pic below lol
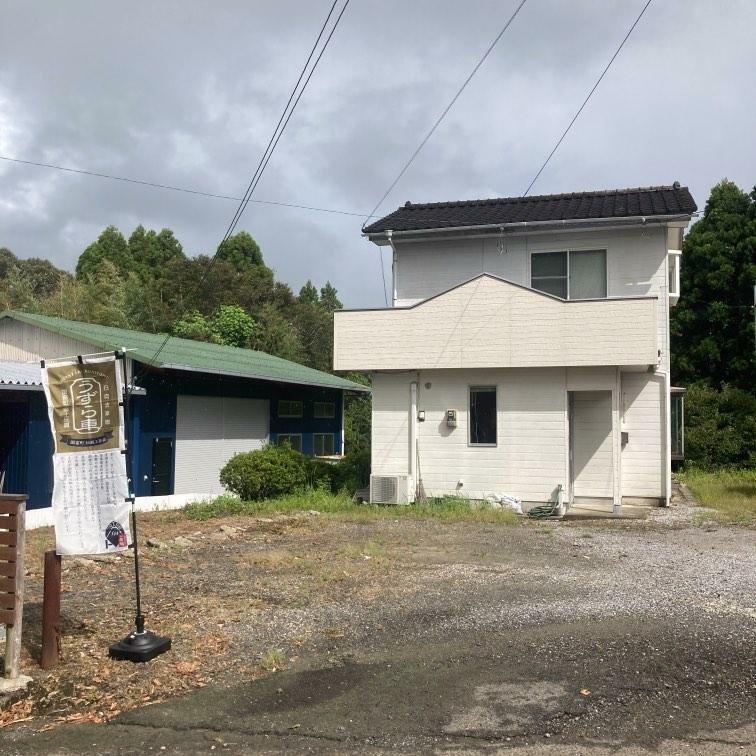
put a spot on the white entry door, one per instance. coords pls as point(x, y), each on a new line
point(591, 441)
point(209, 431)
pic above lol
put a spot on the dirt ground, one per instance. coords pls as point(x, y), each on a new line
point(339, 634)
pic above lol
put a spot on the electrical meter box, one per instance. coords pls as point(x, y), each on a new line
point(451, 418)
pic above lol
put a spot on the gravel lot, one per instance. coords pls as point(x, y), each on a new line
point(389, 636)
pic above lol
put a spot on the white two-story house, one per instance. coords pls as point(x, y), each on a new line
point(527, 347)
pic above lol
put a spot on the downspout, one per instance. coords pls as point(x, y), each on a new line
point(394, 262)
point(667, 388)
point(413, 438)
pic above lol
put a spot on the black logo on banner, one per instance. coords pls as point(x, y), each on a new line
point(115, 535)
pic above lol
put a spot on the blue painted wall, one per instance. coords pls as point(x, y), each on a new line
point(26, 446)
point(154, 415)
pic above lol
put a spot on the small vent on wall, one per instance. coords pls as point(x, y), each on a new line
point(388, 489)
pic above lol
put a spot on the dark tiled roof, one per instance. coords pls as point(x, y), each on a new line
point(614, 203)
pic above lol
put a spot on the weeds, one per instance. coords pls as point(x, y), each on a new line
point(273, 659)
point(450, 508)
point(730, 493)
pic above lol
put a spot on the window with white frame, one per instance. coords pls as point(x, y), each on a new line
point(289, 408)
point(571, 274)
point(324, 444)
point(674, 273)
point(294, 440)
point(482, 420)
point(324, 410)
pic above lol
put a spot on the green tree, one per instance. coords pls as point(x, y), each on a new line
point(232, 326)
point(240, 251)
point(7, 261)
point(329, 299)
point(308, 294)
point(42, 275)
point(110, 245)
point(193, 325)
point(721, 426)
point(712, 326)
point(151, 251)
point(277, 336)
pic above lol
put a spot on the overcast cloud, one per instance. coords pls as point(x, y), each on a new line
point(187, 93)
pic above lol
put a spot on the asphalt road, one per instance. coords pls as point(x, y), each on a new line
point(592, 640)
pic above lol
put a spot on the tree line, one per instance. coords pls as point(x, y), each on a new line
point(712, 330)
point(146, 282)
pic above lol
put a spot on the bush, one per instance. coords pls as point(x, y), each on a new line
point(720, 427)
point(352, 472)
point(265, 473)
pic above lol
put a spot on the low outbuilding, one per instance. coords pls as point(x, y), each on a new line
point(194, 405)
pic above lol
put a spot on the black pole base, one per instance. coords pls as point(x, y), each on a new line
point(139, 647)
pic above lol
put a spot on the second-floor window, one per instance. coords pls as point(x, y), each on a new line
point(574, 274)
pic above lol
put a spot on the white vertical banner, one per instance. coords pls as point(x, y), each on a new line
point(90, 493)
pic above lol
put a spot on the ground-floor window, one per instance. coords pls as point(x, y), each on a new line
point(483, 415)
point(677, 416)
point(294, 440)
point(324, 444)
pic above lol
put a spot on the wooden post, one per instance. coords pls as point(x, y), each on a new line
point(12, 531)
point(51, 611)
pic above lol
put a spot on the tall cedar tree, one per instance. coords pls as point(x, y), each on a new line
point(712, 327)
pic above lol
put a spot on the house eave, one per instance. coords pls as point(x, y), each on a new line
point(490, 229)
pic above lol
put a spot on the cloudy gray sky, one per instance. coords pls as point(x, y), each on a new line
point(187, 93)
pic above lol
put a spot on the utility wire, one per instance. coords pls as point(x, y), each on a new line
point(172, 188)
point(585, 102)
point(265, 158)
point(435, 126)
point(258, 171)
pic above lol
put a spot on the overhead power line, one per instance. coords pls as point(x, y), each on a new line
point(433, 128)
point(172, 188)
point(585, 102)
point(272, 142)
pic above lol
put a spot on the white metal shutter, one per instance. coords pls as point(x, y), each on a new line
point(209, 431)
point(592, 443)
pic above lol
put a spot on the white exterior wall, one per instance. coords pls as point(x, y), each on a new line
point(26, 343)
point(636, 264)
point(532, 453)
point(529, 459)
point(489, 322)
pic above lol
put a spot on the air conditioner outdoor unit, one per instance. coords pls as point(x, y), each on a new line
point(389, 489)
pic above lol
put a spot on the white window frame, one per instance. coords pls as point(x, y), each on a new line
point(315, 442)
point(568, 251)
point(290, 402)
point(479, 387)
point(331, 408)
point(674, 258)
point(282, 437)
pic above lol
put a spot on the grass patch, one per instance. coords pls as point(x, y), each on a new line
point(730, 493)
point(451, 508)
point(273, 660)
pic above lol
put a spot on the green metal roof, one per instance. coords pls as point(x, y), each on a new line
point(185, 354)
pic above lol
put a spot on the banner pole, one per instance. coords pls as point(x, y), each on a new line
point(140, 645)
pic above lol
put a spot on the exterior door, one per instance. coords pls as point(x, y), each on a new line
point(591, 451)
point(162, 466)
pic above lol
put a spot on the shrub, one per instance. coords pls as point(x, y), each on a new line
point(720, 427)
point(352, 472)
point(264, 473)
